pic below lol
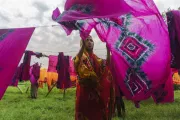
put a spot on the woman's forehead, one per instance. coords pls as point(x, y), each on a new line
point(89, 37)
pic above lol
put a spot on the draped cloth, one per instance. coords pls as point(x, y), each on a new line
point(94, 99)
point(63, 67)
point(137, 37)
point(73, 74)
point(34, 73)
point(26, 65)
point(16, 77)
point(42, 78)
point(173, 18)
point(52, 63)
point(176, 78)
point(13, 43)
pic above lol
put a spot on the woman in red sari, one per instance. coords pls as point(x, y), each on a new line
point(95, 92)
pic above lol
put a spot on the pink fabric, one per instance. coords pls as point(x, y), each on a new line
point(34, 73)
point(71, 67)
point(52, 63)
point(13, 43)
point(137, 38)
point(32, 78)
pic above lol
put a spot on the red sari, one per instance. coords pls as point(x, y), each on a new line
point(94, 94)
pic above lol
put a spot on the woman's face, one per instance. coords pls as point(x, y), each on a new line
point(89, 43)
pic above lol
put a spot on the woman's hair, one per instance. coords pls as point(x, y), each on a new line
point(81, 42)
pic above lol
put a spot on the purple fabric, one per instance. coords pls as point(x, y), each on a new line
point(137, 38)
point(173, 18)
point(34, 73)
point(52, 63)
point(16, 77)
point(71, 67)
point(63, 72)
point(13, 43)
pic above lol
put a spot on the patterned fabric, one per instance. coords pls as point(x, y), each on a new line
point(137, 38)
point(13, 43)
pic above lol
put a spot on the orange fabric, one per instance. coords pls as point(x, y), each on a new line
point(51, 78)
point(176, 78)
point(73, 78)
point(43, 75)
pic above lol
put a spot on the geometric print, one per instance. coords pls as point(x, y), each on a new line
point(134, 48)
point(136, 81)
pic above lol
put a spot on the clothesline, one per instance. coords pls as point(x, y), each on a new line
point(69, 51)
point(34, 26)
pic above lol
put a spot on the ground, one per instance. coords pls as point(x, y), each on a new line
point(18, 106)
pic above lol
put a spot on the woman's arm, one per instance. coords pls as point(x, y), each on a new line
point(79, 55)
point(108, 59)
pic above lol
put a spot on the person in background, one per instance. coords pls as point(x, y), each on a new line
point(34, 76)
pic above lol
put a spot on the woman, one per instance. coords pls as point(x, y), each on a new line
point(94, 94)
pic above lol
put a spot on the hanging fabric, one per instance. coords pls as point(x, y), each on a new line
point(13, 43)
point(63, 72)
point(34, 76)
point(73, 74)
point(26, 64)
point(43, 77)
point(173, 18)
point(52, 63)
point(16, 76)
point(137, 38)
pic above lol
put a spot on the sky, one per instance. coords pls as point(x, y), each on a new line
point(51, 40)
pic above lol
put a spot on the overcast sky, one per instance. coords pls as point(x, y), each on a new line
point(50, 40)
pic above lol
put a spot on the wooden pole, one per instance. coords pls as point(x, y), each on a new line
point(20, 90)
point(51, 89)
point(64, 93)
point(27, 89)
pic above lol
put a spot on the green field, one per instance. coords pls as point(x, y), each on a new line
point(18, 106)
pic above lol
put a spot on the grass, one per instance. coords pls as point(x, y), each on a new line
point(17, 106)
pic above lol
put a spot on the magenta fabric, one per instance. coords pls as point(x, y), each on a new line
point(52, 63)
point(16, 77)
point(13, 43)
point(173, 18)
point(34, 73)
point(71, 67)
point(137, 38)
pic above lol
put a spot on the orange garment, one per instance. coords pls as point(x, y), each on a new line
point(43, 75)
point(176, 78)
point(73, 78)
point(52, 78)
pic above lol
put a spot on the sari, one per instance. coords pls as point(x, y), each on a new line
point(94, 92)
